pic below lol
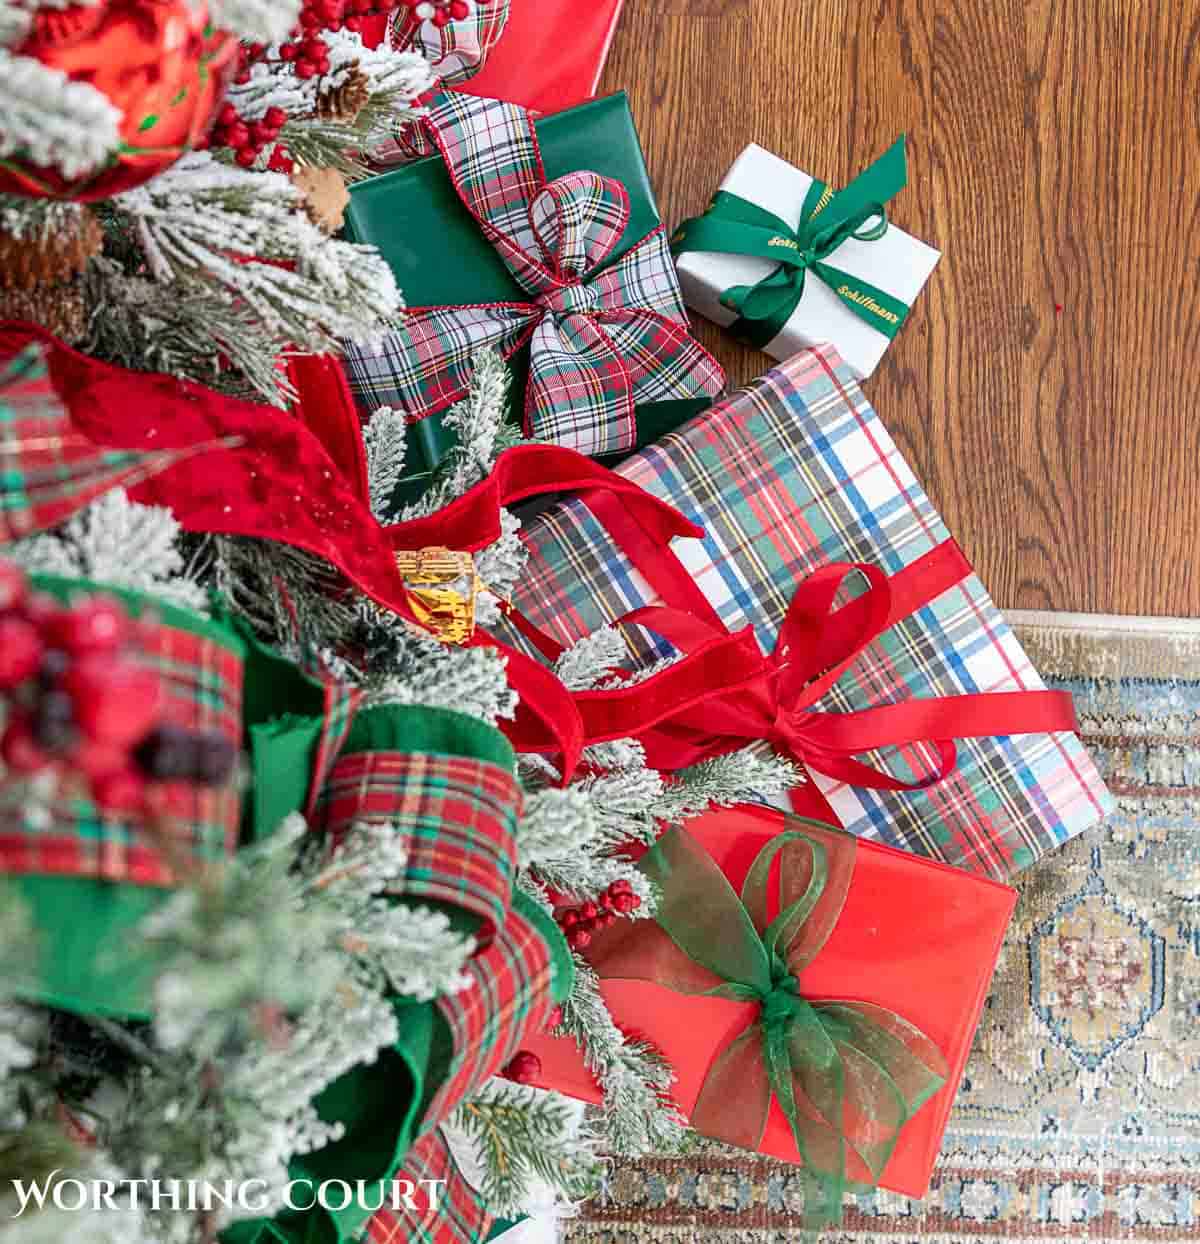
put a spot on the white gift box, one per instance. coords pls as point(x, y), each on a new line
point(897, 262)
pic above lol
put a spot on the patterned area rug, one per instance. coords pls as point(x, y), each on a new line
point(1079, 1118)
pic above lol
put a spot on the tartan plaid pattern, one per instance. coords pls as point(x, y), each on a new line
point(790, 475)
point(342, 702)
point(457, 814)
point(508, 996)
point(48, 470)
point(203, 681)
point(458, 50)
point(601, 341)
point(458, 1218)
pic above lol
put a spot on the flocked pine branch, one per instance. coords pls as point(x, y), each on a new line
point(753, 773)
point(283, 926)
point(278, 974)
point(424, 671)
point(635, 1080)
point(483, 434)
point(97, 543)
point(480, 422)
point(50, 120)
point(386, 441)
point(591, 658)
point(256, 21)
point(400, 76)
point(518, 1135)
point(199, 222)
point(195, 331)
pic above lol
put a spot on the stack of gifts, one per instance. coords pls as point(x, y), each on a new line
point(825, 610)
point(830, 964)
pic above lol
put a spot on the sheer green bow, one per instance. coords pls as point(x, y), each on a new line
point(847, 1075)
point(735, 226)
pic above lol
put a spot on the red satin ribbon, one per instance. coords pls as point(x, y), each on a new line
point(724, 693)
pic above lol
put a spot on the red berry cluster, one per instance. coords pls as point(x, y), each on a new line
point(525, 1068)
point(246, 138)
point(579, 923)
point(78, 699)
point(440, 12)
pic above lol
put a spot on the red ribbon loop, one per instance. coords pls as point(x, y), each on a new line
point(725, 693)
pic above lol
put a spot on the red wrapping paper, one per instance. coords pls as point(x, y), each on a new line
point(915, 936)
point(550, 56)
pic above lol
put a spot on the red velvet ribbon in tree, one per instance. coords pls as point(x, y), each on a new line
point(265, 474)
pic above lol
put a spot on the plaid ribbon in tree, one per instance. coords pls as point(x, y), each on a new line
point(457, 1217)
point(48, 470)
point(456, 51)
point(602, 339)
point(456, 815)
point(509, 996)
point(792, 475)
point(201, 666)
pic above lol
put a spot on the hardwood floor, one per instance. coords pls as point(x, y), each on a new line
point(1047, 387)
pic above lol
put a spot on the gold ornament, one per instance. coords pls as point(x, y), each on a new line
point(325, 195)
point(344, 103)
point(51, 255)
point(443, 587)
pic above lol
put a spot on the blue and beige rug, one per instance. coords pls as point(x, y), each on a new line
point(1079, 1118)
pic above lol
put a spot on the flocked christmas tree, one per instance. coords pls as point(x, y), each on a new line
point(214, 258)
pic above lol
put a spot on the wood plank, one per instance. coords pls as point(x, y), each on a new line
point(1055, 159)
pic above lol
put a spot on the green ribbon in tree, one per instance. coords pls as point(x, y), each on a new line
point(847, 1075)
point(734, 226)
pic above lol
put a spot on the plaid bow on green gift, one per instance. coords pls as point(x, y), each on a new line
point(603, 339)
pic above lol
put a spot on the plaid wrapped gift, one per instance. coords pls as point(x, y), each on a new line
point(789, 477)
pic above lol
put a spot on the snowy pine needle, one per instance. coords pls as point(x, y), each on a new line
point(386, 441)
point(200, 221)
point(256, 21)
point(118, 542)
point(50, 120)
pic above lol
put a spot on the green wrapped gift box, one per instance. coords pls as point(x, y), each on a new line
point(414, 211)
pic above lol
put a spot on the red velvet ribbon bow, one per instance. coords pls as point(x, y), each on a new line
point(726, 693)
point(267, 475)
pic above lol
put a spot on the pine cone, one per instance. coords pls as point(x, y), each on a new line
point(325, 195)
point(35, 263)
point(60, 308)
point(345, 102)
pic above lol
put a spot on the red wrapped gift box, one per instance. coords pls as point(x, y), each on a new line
point(915, 937)
point(551, 54)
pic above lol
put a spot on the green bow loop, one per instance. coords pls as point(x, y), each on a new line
point(847, 1075)
point(733, 225)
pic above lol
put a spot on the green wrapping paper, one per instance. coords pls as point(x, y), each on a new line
point(414, 210)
